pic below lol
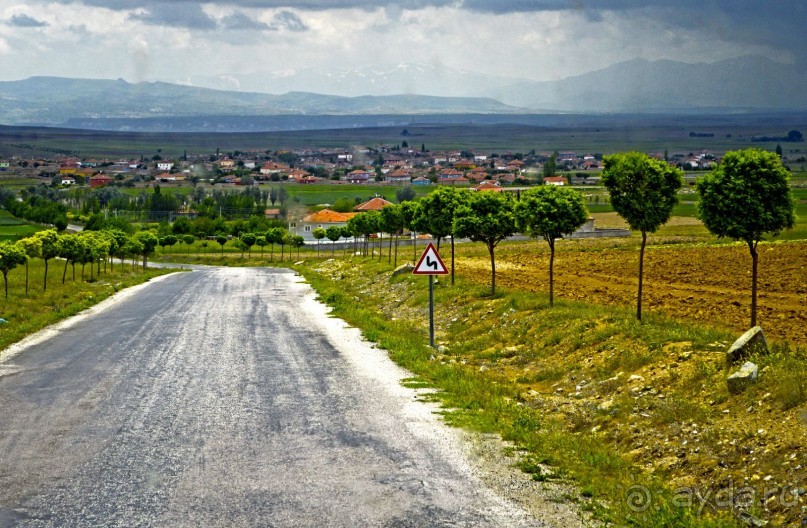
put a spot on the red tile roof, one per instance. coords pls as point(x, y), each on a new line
point(376, 204)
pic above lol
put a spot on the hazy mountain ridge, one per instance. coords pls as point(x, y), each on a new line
point(637, 85)
point(55, 101)
point(744, 84)
point(640, 85)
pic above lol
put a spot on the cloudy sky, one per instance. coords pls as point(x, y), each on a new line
point(179, 40)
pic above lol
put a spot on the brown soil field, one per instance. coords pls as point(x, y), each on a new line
point(703, 283)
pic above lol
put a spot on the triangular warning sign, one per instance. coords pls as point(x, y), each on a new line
point(430, 263)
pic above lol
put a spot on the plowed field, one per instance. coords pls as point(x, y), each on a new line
point(704, 283)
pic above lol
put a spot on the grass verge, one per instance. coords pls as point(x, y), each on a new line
point(637, 415)
point(26, 314)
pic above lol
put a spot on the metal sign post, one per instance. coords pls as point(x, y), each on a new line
point(430, 264)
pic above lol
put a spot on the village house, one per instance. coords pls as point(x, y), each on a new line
point(488, 186)
point(100, 180)
point(398, 176)
point(271, 167)
point(165, 165)
point(554, 180)
point(272, 213)
point(358, 176)
point(374, 204)
point(321, 219)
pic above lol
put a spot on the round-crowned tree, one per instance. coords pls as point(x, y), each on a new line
point(746, 197)
point(643, 191)
point(550, 212)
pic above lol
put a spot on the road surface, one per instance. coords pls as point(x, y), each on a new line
point(225, 397)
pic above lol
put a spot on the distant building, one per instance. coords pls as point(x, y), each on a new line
point(99, 180)
point(554, 180)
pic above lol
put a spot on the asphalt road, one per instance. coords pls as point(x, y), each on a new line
point(225, 397)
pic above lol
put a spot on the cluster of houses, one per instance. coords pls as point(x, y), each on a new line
point(392, 165)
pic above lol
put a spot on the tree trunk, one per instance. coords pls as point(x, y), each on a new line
point(414, 247)
point(396, 252)
point(752, 246)
point(452, 260)
point(64, 275)
point(641, 276)
point(491, 249)
point(389, 253)
point(380, 246)
point(551, 271)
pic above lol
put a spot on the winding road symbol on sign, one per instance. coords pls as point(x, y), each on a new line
point(430, 263)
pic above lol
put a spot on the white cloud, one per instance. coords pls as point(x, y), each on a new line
point(94, 41)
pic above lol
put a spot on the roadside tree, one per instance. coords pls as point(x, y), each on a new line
point(410, 214)
point(249, 240)
point(261, 242)
point(189, 240)
point(149, 241)
point(70, 250)
point(50, 249)
point(318, 234)
point(333, 233)
point(32, 247)
point(436, 215)
point(486, 217)
point(392, 223)
point(550, 212)
point(746, 197)
point(11, 256)
point(643, 191)
point(221, 239)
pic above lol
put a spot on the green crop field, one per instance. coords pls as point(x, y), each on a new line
point(12, 228)
point(579, 133)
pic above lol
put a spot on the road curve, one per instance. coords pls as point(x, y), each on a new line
point(225, 397)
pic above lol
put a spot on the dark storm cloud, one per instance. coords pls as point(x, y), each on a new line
point(175, 14)
point(24, 21)
point(288, 20)
point(775, 23)
point(240, 21)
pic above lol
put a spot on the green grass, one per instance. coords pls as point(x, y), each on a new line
point(29, 313)
point(12, 228)
point(488, 331)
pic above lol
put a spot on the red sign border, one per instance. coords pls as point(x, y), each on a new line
point(423, 256)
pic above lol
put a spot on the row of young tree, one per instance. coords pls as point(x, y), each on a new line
point(87, 247)
point(746, 198)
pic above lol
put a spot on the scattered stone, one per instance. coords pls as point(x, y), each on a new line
point(750, 520)
point(403, 269)
point(442, 349)
point(605, 406)
point(750, 343)
point(740, 380)
point(483, 368)
point(299, 263)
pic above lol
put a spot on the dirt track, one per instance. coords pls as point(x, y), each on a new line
point(703, 283)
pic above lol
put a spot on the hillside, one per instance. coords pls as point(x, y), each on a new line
point(55, 101)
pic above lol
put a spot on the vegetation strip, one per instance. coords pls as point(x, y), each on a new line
point(636, 414)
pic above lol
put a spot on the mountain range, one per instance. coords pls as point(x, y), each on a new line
point(744, 84)
point(638, 85)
